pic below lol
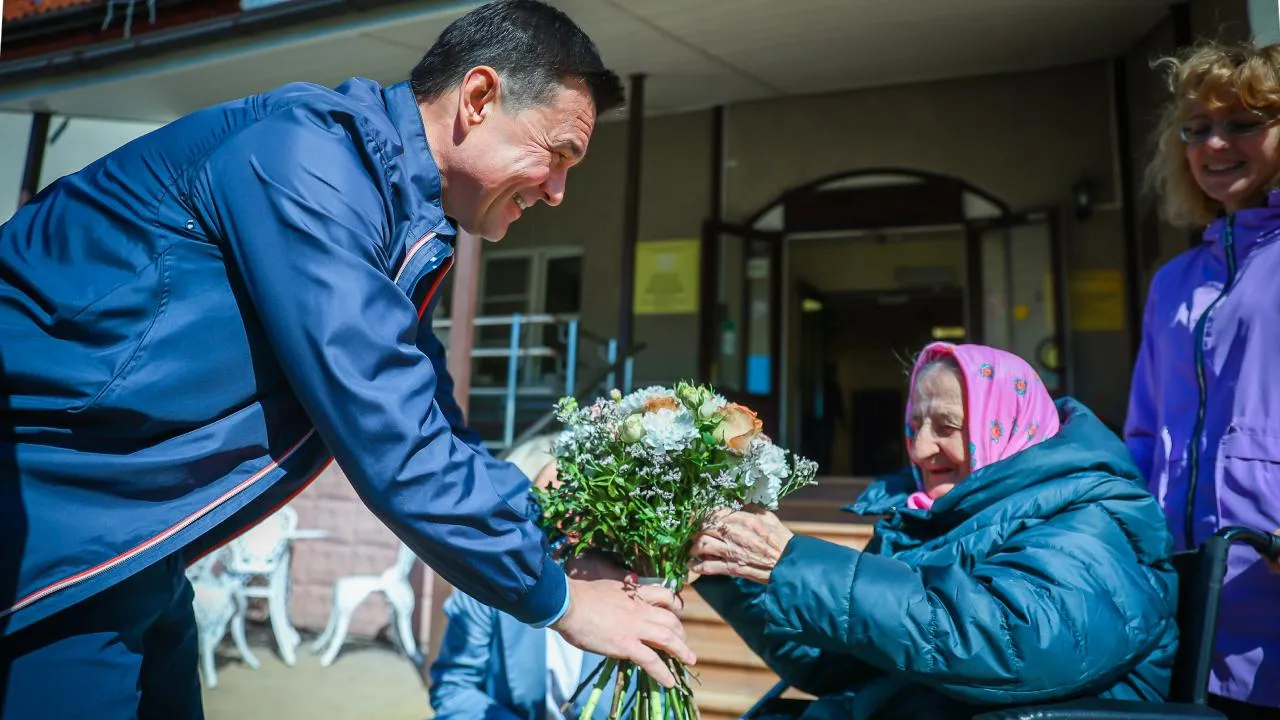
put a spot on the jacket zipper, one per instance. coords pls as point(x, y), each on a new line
point(1193, 452)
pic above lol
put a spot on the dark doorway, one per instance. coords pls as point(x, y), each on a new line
point(856, 356)
point(876, 441)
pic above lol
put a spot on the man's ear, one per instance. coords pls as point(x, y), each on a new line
point(477, 96)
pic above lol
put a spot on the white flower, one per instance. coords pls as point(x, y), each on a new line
point(638, 400)
point(632, 430)
point(708, 409)
point(767, 470)
point(668, 430)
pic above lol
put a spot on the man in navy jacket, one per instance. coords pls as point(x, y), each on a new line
point(194, 325)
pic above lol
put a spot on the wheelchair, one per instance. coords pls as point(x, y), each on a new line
point(1200, 574)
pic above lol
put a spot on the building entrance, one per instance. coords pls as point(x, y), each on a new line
point(812, 310)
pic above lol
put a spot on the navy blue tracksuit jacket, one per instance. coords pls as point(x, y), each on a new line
point(194, 325)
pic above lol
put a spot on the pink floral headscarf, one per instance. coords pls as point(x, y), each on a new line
point(1007, 407)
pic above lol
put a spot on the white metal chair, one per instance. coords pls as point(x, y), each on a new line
point(216, 603)
point(349, 592)
point(264, 552)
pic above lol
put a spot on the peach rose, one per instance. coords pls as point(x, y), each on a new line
point(738, 426)
point(661, 402)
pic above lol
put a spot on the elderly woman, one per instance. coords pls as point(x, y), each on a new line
point(1022, 561)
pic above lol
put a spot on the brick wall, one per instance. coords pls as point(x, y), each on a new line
point(359, 544)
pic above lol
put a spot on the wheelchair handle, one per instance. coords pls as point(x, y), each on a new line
point(1267, 544)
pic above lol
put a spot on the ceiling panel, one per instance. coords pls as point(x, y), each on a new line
point(696, 54)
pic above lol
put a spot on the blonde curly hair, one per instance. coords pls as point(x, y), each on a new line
point(1215, 75)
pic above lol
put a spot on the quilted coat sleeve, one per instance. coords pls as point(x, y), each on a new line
point(1063, 609)
point(742, 605)
point(294, 200)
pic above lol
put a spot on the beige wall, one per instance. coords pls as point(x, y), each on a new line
point(1026, 138)
point(861, 265)
point(675, 198)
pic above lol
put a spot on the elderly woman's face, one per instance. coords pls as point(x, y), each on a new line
point(939, 430)
point(1233, 152)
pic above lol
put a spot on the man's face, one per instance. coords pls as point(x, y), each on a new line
point(507, 162)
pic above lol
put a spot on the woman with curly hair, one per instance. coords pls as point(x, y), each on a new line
point(1204, 411)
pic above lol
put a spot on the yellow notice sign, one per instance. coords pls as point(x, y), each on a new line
point(667, 277)
point(1097, 300)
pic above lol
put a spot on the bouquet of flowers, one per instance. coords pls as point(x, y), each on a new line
point(639, 476)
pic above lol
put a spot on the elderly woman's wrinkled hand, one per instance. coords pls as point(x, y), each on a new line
point(745, 544)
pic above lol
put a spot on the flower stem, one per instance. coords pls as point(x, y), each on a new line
point(594, 698)
point(655, 701)
point(620, 688)
point(642, 697)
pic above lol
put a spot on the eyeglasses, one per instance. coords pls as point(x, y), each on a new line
point(1198, 131)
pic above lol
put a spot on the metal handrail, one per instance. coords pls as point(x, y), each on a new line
point(516, 351)
point(493, 352)
point(525, 319)
point(602, 378)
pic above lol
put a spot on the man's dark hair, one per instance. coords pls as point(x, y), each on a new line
point(534, 48)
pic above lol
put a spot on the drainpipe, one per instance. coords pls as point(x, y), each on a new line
point(631, 215)
point(708, 302)
point(38, 140)
point(1133, 260)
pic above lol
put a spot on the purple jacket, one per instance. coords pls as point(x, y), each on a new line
point(1204, 425)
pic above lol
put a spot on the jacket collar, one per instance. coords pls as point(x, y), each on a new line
point(419, 165)
point(1250, 227)
point(1082, 442)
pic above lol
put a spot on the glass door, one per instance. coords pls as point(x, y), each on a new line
point(741, 317)
point(1015, 298)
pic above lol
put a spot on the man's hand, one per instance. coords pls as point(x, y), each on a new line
point(622, 621)
point(594, 566)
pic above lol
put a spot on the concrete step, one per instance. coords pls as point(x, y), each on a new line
point(822, 502)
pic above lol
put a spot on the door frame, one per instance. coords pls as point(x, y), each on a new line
point(710, 314)
point(975, 292)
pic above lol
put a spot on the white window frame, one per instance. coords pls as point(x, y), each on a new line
point(535, 296)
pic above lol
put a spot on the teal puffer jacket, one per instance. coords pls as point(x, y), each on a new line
point(1042, 577)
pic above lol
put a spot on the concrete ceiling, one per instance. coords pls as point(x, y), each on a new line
point(696, 54)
